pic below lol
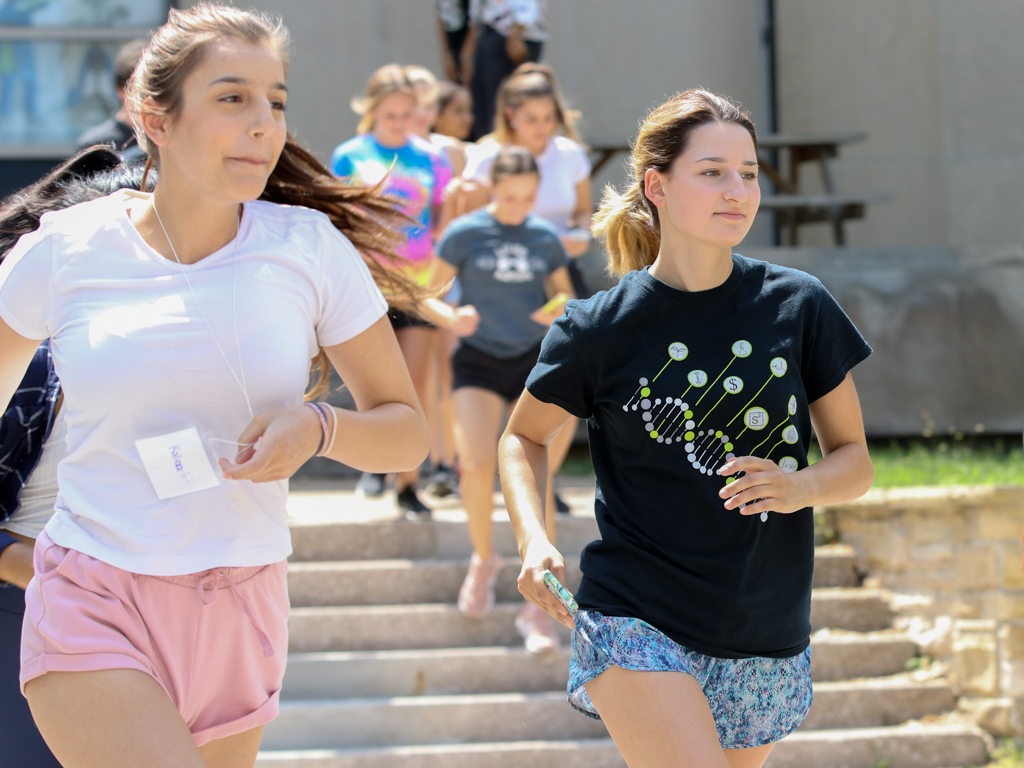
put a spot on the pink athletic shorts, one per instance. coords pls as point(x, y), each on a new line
point(215, 641)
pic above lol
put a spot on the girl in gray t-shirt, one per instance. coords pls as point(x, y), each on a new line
point(513, 271)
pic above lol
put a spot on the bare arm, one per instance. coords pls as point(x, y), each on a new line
point(467, 55)
point(581, 218)
point(523, 463)
point(844, 472)
point(387, 433)
point(555, 283)
point(16, 561)
point(462, 320)
point(450, 69)
point(15, 354)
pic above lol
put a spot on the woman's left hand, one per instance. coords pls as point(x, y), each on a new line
point(281, 442)
point(765, 484)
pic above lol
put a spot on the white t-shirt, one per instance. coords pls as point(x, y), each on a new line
point(137, 360)
point(563, 164)
point(504, 14)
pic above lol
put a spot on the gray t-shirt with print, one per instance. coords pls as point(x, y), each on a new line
point(502, 270)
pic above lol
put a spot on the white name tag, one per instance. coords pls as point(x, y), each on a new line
point(177, 463)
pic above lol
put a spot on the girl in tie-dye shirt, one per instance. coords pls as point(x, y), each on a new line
point(418, 173)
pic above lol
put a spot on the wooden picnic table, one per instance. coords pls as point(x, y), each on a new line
point(793, 208)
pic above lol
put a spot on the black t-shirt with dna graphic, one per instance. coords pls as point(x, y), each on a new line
point(673, 384)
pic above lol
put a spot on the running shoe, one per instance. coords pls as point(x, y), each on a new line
point(410, 503)
point(537, 629)
point(370, 485)
point(444, 482)
point(476, 598)
point(560, 506)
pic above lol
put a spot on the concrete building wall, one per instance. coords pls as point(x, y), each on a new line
point(614, 60)
point(936, 84)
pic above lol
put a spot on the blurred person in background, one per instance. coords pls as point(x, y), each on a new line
point(417, 173)
point(515, 283)
point(503, 34)
point(117, 132)
point(32, 441)
point(532, 114)
point(454, 111)
point(443, 479)
point(453, 27)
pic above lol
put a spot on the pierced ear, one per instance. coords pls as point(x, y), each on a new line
point(155, 122)
point(654, 187)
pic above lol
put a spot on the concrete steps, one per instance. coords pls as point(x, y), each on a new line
point(440, 625)
point(417, 672)
point(913, 745)
point(494, 717)
point(384, 672)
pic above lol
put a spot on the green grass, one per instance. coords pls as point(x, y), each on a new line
point(1007, 756)
point(970, 460)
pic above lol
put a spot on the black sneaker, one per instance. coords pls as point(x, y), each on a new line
point(407, 500)
point(444, 482)
point(370, 485)
point(560, 506)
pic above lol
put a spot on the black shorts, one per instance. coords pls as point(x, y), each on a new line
point(400, 320)
point(504, 376)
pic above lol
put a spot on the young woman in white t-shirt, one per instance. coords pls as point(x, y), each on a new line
point(182, 325)
point(532, 114)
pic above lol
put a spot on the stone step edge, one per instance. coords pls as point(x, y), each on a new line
point(825, 736)
point(483, 747)
point(881, 684)
point(835, 637)
point(829, 593)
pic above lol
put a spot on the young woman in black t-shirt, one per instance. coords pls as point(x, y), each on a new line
point(701, 375)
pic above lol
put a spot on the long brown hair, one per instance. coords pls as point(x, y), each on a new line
point(628, 221)
point(531, 81)
point(371, 220)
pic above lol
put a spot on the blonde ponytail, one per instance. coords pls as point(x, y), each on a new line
point(628, 221)
point(631, 235)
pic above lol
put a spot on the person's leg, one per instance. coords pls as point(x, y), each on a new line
point(662, 720)
point(238, 751)
point(448, 340)
point(114, 718)
point(477, 421)
point(415, 342)
point(557, 452)
point(491, 65)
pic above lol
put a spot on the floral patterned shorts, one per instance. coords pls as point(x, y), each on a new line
point(754, 701)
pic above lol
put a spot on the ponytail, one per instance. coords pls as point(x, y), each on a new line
point(628, 221)
point(630, 231)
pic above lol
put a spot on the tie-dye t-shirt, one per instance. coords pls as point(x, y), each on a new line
point(419, 177)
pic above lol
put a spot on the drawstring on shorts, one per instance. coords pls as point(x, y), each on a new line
point(212, 579)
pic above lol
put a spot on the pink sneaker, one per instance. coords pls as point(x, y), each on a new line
point(476, 598)
point(537, 629)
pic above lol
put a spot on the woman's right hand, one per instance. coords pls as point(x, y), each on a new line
point(540, 556)
point(465, 321)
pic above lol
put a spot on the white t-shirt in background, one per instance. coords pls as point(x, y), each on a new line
point(136, 360)
point(563, 164)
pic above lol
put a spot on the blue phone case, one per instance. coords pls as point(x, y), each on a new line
point(561, 593)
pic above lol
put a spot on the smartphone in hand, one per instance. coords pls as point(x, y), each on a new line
point(561, 593)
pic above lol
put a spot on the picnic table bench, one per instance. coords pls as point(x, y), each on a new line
point(790, 206)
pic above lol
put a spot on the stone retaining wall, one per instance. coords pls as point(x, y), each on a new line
point(951, 556)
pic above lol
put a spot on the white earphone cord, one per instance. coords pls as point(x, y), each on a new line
point(234, 314)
